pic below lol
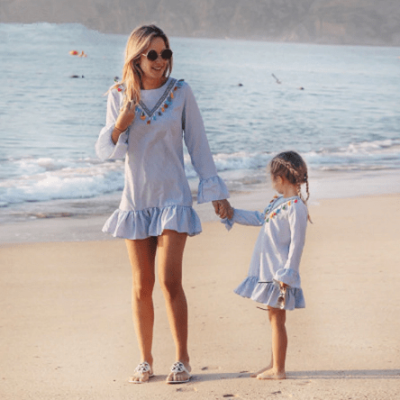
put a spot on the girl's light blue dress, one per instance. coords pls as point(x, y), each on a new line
point(277, 252)
point(156, 195)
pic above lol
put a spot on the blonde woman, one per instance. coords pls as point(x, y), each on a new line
point(149, 115)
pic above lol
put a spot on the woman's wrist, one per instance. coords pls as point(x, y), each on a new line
point(119, 129)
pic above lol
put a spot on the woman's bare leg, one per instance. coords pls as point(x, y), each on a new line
point(277, 318)
point(142, 257)
point(170, 247)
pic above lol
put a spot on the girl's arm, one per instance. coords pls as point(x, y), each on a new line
point(106, 149)
point(289, 274)
point(211, 186)
point(244, 217)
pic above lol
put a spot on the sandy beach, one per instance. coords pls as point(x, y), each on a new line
point(67, 333)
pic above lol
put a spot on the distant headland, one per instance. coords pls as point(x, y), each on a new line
point(351, 22)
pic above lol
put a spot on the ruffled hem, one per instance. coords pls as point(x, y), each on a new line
point(211, 189)
point(268, 293)
point(152, 221)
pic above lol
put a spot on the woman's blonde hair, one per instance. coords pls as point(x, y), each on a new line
point(138, 41)
point(291, 166)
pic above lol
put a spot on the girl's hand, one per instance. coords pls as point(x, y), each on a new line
point(223, 209)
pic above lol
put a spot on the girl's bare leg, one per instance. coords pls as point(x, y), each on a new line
point(277, 318)
point(142, 257)
point(170, 249)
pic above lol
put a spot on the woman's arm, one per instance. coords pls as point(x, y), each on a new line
point(211, 186)
point(112, 140)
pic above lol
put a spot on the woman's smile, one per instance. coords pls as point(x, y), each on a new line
point(153, 70)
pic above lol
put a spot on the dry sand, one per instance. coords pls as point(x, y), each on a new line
point(66, 329)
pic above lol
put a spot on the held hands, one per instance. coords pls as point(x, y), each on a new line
point(223, 209)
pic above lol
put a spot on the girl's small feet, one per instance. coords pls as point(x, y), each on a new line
point(271, 374)
point(142, 374)
point(255, 374)
point(180, 373)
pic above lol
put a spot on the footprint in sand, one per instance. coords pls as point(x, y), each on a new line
point(211, 368)
point(303, 383)
point(187, 389)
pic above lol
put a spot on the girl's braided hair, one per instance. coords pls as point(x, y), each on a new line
point(291, 166)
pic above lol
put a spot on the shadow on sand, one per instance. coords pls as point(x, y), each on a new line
point(329, 374)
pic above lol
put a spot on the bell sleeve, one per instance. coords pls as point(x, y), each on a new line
point(105, 147)
point(211, 186)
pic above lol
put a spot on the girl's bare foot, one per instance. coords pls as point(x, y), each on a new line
point(142, 374)
point(255, 374)
point(271, 374)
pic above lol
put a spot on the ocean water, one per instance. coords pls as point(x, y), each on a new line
point(339, 106)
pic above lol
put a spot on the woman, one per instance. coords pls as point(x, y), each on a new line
point(148, 114)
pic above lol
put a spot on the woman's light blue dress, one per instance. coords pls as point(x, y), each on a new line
point(156, 195)
point(277, 252)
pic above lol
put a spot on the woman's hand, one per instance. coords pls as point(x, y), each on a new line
point(124, 120)
point(223, 208)
point(126, 116)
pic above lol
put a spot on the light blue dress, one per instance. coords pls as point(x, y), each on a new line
point(157, 195)
point(277, 252)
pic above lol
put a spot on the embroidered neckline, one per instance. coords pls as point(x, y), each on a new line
point(162, 104)
point(160, 100)
point(270, 212)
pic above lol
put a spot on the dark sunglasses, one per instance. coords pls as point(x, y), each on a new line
point(152, 55)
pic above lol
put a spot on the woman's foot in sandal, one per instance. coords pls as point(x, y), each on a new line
point(180, 373)
point(142, 374)
point(270, 374)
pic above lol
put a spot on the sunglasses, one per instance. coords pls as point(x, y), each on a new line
point(152, 55)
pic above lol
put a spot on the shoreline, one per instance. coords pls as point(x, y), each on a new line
point(67, 222)
point(88, 229)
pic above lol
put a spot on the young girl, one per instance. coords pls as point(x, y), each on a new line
point(273, 278)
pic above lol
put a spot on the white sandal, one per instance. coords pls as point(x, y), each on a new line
point(177, 368)
point(142, 368)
